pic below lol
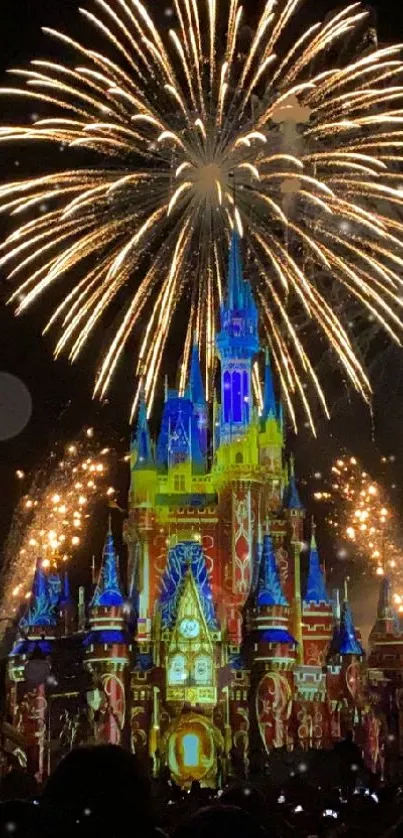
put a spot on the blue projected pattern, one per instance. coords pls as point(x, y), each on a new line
point(269, 590)
point(108, 591)
point(185, 555)
point(43, 607)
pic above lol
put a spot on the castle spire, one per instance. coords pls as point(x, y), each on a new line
point(269, 590)
point(142, 440)
point(347, 641)
point(108, 592)
point(197, 393)
point(316, 588)
point(293, 500)
point(270, 405)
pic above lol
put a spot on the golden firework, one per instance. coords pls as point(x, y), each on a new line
point(166, 128)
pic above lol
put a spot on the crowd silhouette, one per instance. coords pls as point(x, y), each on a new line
point(104, 792)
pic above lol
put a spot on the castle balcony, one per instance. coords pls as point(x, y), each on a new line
point(192, 695)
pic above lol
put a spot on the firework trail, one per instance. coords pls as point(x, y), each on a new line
point(178, 137)
point(51, 521)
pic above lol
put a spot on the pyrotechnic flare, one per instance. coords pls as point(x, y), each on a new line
point(51, 522)
point(175, 137)
point(363, 516)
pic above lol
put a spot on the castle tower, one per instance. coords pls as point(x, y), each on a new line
point(237, 344)
point(141, 522)
point(295, 515)
point(237, 456)
point(317, 612)
point(344, 680)
point(28, 670)
point(272, 656)
point(385, 663)
point(108, 647)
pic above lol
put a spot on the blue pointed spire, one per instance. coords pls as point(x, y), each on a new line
point(197, 393)
point(269, 590)
point(270, 404)
point(292, 498)
point(108, 591)
point(142, 440)
point(316, 588)
point(235, 275)
point(41, 611)
point(347, 641)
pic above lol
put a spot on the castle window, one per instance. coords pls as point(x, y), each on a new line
point(177, 672)
point(239, 457)
point(203, 670)
point(179, 483)
point(227, 397)
point(236, 397)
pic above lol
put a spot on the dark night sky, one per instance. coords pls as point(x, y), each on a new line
point(61, 394)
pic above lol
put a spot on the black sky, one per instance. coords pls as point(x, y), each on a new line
point(61, 394)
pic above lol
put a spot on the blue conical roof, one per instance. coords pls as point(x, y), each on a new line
point(42, 610)
point(316, 589)
point(270, 404)
point(185, 556)
point(142, 439)
point(108, 591)
point(347, 642)
point(197, 393)
point(269, 590)
point(292, 499)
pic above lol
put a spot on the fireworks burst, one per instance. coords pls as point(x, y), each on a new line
point(363, 517)
point(181, 135)
point(51, 521)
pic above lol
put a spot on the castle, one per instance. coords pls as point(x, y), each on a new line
point(214, 653)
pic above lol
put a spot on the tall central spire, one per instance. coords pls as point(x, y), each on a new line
point(235, 274)
point(237, 344)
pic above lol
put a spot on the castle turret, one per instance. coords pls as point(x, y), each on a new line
point(237, 344)
point(272, 611)
point(108, 646)
point(317, 611)
point(295, 514)
point(29, 668)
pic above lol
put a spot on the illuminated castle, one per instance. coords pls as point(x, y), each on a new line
point(214, 653)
